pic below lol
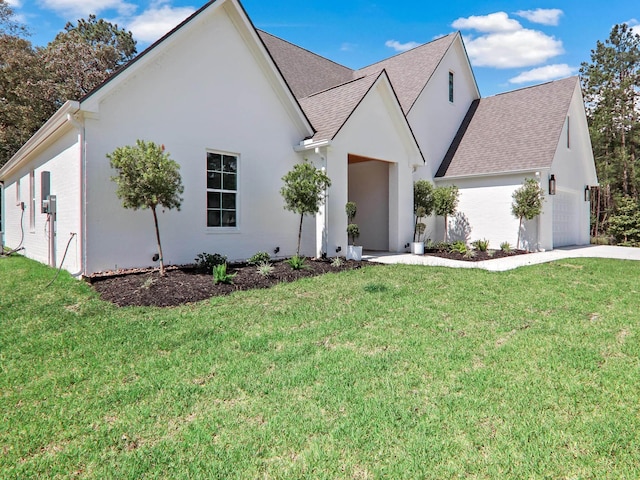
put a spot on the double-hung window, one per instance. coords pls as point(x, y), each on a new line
point(222, 190)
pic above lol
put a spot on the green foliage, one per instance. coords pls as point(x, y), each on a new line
point(394, 371)
point(445, 203)
point(296, 262)
point(220, 274)
point(527, 202)
point(459, 247)
point(423, 197)
point(337, 262)
point(505, 247)
point(259, 257)
point(353, 232)
point(481, 245)
point(264, 268)
point(304, 191)
point(430, 245)
point(611, 85)
point(205, 262)
point(147, 178)
point(624, 225)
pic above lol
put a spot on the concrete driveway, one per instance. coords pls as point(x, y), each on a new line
point(509, 263)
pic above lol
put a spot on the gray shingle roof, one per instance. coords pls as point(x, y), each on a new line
point(510, 132)
point(410, 71)
point(329, 110)
point(304, 71)
point(328, 92)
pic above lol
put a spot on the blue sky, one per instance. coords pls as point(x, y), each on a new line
point(511, 44)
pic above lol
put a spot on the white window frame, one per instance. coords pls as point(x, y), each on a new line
point(236, 192)
point(32, 201)
point(451, 85)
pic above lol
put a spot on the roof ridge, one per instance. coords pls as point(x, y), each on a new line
point(343, 84)
point(305, 49)
point(576, 77)
point(406, 52)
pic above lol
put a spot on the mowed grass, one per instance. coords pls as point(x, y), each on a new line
point(394, 372)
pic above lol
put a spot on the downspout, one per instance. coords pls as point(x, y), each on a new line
point(83, 194)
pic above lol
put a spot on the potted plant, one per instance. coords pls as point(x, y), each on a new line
point(422, 207)
point(417, 246)
point(353, 252)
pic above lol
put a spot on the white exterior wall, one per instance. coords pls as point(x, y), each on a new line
point(375, 130)
point(204, 91)
point(62, 160)
point(484, 212)
point(434, 120)
point(574, 168)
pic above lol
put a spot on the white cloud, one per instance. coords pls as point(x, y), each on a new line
point(492, 23)
point(156, 21)
point(401, 47)
point(634, 25)
point(348, 47)
point(504, 43)
point(14, 3)
point(544, 74)
point(544, 16)
point(83, 8)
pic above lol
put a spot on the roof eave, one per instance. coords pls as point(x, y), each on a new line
point(491, 174)
point(53, 125)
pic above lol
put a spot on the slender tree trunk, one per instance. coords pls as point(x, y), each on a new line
point(519, 230)
point(155, 221)
point(299, 235)
point(446, 227)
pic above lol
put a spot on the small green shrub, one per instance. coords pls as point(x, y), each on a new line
point(505, 247)
point(481, 245)
point(258, 258)
point(265, 269)
point(437, 246)
point(205, 262)
point(296, 262)
point(337, 262)
point(220, 274)
point(470, 253)
point(459, 247)
point(353, 232)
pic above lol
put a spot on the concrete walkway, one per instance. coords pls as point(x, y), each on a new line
point(509, 263)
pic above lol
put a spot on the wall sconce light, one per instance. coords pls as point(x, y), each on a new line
point(587, 193)
point(276, 250)
point(552, 184)
point(338, 249)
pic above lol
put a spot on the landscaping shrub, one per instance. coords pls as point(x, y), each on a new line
point(265, 269)
point(205, 262)
point(481, 245)
point(505, 247)
point(296, 262)
point(220, 274)
point(258, 258)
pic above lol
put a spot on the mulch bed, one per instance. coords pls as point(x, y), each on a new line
point(182, 285)
point(478, 256)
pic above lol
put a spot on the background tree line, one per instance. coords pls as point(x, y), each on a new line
point(36, 81)
point(611, 84)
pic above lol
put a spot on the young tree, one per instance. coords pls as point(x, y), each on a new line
point(147, 178)
point(304, 191)
point(445, 203)
point(624, 224)
point(611, 85)
point(527, 202)
point(422, 206)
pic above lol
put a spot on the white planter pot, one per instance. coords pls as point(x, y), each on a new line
point(354, 253)
point(417, 248)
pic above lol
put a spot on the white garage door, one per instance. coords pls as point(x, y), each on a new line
point(565, 219)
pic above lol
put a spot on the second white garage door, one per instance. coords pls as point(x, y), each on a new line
point(565, 219)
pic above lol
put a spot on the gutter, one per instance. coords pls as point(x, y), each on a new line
point(83, 192)
point(491, 174)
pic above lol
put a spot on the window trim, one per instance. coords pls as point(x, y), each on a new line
point(221, 229)
point(451, 87)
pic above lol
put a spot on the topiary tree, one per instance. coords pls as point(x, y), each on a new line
point(353, 231)
point(445, 202)
point(147, 178)
point(422, 206)
point(527, 202)
point(303, 191)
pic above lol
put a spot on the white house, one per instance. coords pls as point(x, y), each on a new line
point(237, 108)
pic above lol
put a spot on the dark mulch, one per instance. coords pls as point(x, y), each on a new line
point(478, 256)
point(184, 284)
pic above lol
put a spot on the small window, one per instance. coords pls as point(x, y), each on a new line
point(32, 200)
point(222, 190)
point(568, 132)
point(451, 87)
point(18, 199)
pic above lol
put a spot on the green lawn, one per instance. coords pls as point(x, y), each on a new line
point(394, 372)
